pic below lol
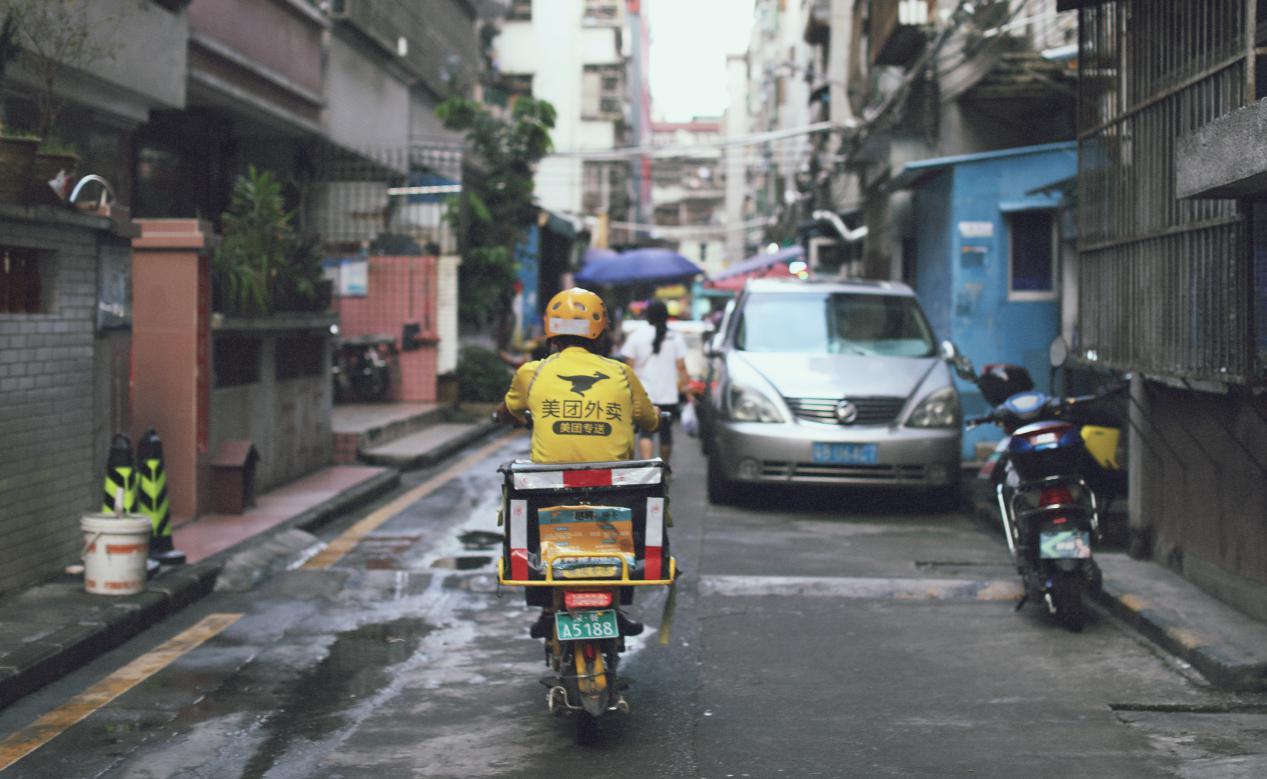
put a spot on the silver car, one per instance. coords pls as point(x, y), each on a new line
point(830, 383)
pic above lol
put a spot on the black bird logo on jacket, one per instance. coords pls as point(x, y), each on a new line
point(582, 384)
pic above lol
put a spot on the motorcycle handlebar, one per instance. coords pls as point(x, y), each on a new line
point(1103, 392)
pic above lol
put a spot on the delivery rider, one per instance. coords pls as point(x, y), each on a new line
point(584, 406)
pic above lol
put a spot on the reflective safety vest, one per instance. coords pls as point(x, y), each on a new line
point(584, 407)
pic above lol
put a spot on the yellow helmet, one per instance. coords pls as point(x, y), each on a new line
point(577, 312)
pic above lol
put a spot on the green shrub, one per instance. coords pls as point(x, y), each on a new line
point(482, 376)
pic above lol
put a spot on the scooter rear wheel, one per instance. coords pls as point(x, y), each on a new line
point(1066, 596)
point(587, 728)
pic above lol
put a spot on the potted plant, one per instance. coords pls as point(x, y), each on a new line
point(53, 36)
point(256, 235)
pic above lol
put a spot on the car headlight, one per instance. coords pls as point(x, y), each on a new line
point(940, 409)
point(748, 405)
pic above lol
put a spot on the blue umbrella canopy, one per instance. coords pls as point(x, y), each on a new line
point(639, 266)
point(599, 255)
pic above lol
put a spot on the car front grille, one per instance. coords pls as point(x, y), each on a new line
point(844, 474)
point(871, 411)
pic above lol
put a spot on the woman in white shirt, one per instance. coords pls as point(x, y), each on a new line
point(658, 356)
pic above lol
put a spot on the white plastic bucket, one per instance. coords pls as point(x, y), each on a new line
point(115, 553)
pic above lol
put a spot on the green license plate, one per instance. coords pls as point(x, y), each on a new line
point(1064, 545)
point(576, 626)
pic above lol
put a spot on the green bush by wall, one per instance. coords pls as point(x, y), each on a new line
point(482, 376)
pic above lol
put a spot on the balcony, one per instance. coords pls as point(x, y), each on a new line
point(899, 29)
point(265, 54)
point(433, 43)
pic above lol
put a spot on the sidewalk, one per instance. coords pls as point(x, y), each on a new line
point(56, 627)
point(1228, 647)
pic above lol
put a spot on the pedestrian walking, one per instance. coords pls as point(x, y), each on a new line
point(658, 357)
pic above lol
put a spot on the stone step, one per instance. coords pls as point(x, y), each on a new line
point(358, 427)
point(427, 446)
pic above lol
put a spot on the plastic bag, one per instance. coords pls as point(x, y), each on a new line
point(690, 422)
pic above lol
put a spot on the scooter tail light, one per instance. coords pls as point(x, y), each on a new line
point(587, 599)
point(1053, 495)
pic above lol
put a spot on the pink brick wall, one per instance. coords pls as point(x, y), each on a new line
point(401, 290)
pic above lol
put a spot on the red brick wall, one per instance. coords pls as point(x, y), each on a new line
point(401, 290)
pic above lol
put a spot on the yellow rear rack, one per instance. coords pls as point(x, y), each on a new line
point(550, 581)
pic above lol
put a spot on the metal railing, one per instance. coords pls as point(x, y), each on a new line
point(1161, 280)
point(356, 199)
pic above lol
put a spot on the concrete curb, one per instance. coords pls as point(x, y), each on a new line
point(1223, 666)
point(432, 456)
point(92, 625)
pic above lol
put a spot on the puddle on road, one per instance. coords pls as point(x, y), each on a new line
point(478, 540)
point(464, 563)
point(355, 668)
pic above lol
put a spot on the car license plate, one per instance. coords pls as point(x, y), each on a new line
point(578, 625)
point(1064, 545)
point(845, 454)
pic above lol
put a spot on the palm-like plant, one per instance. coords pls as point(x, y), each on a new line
point(257, 235)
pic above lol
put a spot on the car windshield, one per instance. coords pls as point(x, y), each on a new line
point(840, 323)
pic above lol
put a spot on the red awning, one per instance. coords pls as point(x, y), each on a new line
point(735, 283)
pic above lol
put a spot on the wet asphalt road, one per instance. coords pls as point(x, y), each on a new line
point(815, 634)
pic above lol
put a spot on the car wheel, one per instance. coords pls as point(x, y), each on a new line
point(721, 491)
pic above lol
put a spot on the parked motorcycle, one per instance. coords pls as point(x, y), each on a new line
point(361, 368)
point(583, 537)
point(1044, 475)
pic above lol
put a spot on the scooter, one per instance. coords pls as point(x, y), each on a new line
point(586, 535)
point(1051, 513)
point(362, 368)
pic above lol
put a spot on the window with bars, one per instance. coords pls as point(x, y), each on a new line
point(602, 11)
point(236, 360)
point(509, 88)
point(300, 356)
point(603, 92)
point(21, 282)
point(519, 11)
point(1162, 280)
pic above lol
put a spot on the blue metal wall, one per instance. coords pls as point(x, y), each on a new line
point(931, 203)
point(962, 263)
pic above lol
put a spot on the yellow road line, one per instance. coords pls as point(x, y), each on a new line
point(1132, 602)
point(57, 721)
point(354, 535)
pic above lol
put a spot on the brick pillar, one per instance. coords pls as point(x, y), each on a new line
point(171, 351)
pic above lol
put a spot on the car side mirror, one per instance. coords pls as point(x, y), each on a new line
point(959, 361)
